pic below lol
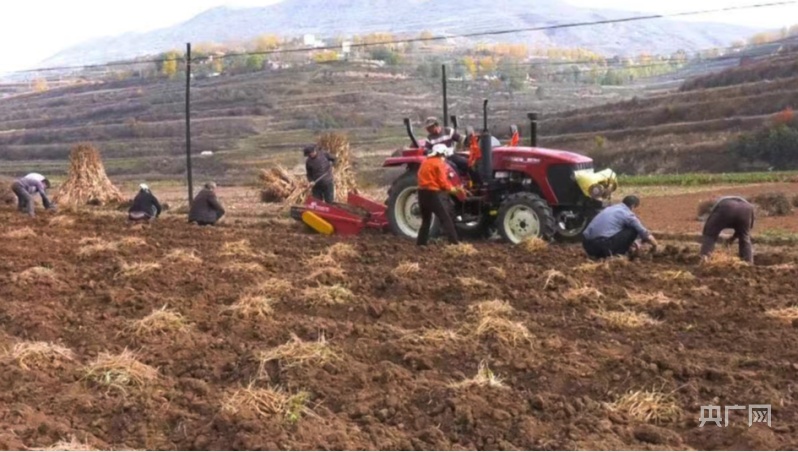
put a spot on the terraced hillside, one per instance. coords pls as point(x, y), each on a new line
point(139, 124)
point(689, 130)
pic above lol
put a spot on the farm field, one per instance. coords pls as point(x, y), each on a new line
point(256, 335)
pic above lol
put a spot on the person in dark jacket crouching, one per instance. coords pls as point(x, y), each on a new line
point(145, 206)
point(206, 209)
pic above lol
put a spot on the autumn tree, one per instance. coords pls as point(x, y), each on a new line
point(40, 85)
point(265, 43)
point(168, 64)
point(325, 56)
point(487, 64)
point(255, 62)
point(470, 66)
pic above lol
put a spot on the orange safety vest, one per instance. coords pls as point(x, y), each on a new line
point(515, 140)
point(475, 152)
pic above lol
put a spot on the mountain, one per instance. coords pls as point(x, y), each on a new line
point(328, 18)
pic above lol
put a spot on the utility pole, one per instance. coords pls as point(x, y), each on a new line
point(188, 125)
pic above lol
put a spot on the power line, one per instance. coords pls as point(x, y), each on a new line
point(427, 39)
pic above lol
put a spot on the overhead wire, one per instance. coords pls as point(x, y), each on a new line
point(419, 38)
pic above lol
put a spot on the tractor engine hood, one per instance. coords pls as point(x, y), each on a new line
point(528, 154)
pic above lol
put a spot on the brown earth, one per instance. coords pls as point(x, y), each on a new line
point(679, 213)
point(712, 343)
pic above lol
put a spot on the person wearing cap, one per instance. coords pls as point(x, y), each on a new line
point(206, 209)
point(319, 171)
point(447, 137)
point(615, 230)
point(145, 206)
point(28, 186)
point(434, 188)
point(730, 212)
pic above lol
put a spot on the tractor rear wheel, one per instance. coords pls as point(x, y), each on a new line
point(524, 216)
point(404, 213)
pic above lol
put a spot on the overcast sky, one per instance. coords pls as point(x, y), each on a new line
point(33, 30)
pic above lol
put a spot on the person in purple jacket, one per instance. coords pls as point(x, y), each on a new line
point(26, 188)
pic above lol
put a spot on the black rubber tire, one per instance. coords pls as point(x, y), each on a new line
point(574, 238)
point(408, 179)
point(544, 213)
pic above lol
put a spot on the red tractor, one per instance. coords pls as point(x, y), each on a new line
point(524, 192)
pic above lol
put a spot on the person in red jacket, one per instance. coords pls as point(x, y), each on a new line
point(433, 186)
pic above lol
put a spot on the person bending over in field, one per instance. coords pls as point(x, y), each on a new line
point(319, 171)
point(615, 230)
point(206, 209)
point(731, 212)
point(29, 186)
point(145, 206)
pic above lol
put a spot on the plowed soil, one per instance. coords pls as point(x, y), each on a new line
point(393, 385)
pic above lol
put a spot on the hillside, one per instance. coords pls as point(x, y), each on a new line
point(689, 130)
point(293, 18)
point(247, 119)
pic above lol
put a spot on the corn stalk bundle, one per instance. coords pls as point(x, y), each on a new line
point(337, 144)
point(87, 182)
point(280, 186)
point(7, 196)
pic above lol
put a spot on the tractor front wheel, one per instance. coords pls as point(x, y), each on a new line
point(524, 216)
point(404, 214)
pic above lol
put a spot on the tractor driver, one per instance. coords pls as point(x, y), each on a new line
point(447, 137)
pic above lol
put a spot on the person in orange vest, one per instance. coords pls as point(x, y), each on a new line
point(516, 137)
point(434, 187)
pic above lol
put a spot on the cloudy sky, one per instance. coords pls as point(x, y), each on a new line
point(33, 30)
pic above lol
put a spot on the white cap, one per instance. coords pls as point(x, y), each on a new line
point(35, 176)
point(439, 149)
point(144, 187)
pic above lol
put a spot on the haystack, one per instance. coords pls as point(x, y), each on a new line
point(280, 186)
point(87, 182)
point(337, 144)
point(7, 196)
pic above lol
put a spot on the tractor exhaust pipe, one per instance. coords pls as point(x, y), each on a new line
point(486, 146)
point(533, 129)
point(410, 133)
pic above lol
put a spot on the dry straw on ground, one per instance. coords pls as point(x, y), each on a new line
point(298, 352)
point(554, 278)
point(460, 250)
point(406, 270)
point(583, 293)
point(492, 323)
point(72, 445)
point(241, 248)
point(160, 321)
point(277, 289)
point(181, 256)
point(658, 298)
point(87, 182)
point(39, 354)
point(492, 308)
point(137, 269)
point(97, 247)
point(649, 406)
point(627, 319)
point(62, 221)
point(36, 275)
point(329, 295)
point(268, 402)
point(119, 371)
point(19, 234)
point(724, 261)
point(328, 275)
point(787, 314)
point(497, 273)
point(472, 283)
point(252, 306)
point(485, 378)
point(675, 275)
point(243, 267)
point(534, 245)
point(774, 204)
